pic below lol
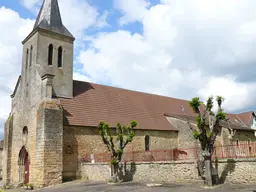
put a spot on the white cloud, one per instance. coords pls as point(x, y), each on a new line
point(31, 4)
point(186, 49)
point(14, 31)
point(77, 15)
point(236, 95)
point(133, 10)
point(81, 77)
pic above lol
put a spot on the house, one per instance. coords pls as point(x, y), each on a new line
point(53, 120)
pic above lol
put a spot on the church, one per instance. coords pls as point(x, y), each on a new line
point(53, 119)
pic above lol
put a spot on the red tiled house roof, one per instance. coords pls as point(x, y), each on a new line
point(243, 119)
point(232, 124)
point(93, 103)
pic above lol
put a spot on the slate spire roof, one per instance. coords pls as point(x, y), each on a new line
point(49, 18)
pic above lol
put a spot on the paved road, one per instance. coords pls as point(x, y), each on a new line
point(138, 187)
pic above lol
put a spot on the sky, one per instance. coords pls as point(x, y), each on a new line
point(176, 48)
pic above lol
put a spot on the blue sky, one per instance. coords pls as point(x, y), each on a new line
point(177, 48)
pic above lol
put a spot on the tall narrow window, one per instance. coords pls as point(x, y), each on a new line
point(27, 90)
point(27, 59)
point(25, 130)
point(50, 54)
point(60, 57)
point(30, 59)
point(146, 143)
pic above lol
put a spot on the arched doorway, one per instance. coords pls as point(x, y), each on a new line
point(23, 166)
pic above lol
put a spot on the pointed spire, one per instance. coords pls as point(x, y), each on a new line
point(49, 18)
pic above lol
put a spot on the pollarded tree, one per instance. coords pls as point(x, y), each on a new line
point(124, 135)
point(208, 127)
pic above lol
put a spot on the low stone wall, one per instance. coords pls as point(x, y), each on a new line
point(237, 170)
point(229, 171)
point(157, 171)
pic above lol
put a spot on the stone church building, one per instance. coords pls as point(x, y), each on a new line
point(53, 119)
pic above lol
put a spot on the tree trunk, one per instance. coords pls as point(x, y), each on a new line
point(208, 170)
point(115, 173)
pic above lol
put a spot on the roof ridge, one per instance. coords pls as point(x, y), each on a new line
point(131, 90)
point(241, 113)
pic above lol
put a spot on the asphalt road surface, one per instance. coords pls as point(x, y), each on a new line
point(141, 187)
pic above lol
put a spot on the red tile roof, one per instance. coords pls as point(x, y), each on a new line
point(241, 118)
point(232, 124)
point(93, 103)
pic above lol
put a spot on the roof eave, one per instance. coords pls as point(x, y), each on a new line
point(81, 126)
point(38, 29)
point(16, 87)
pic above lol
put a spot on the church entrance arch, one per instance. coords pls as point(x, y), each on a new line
point(23, 165)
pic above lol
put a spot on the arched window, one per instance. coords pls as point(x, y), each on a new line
point(25, 135)
point(146, 143)
point(60, 57)
point(50, 54)
point(30, 59)
point(27, 59)
point(25, 130)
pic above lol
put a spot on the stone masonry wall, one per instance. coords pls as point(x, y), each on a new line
point(1, 160)
point(83, 141)
point(186, 139)
point(237, 170)
point(244, 136)
point(144, 172)
point(229, 171)
point(49, 150)
point(63, 79)
point(7, 150)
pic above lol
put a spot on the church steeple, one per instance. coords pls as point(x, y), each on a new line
point(47, 64)
point(49, 18)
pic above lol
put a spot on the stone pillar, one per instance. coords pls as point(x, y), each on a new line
point(49, 150)
point(47, 86)
point(7, 152)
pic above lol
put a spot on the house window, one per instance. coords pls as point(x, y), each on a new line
point(50, 54)
point(30, 59)
point(60, 57)
point(27, 59)
point(146, 143)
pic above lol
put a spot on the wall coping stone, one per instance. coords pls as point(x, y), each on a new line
point(236, 160)
point(148, 162)
point(179, 162)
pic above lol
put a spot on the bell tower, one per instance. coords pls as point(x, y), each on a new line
point(47, 68)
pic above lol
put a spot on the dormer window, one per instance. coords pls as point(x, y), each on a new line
point(60, 57)
point(50, 54)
